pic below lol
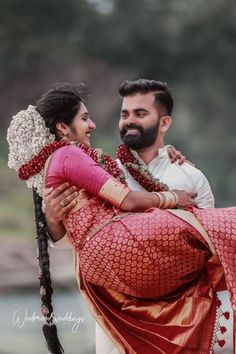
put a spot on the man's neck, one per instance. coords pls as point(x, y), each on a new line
point(150, 153)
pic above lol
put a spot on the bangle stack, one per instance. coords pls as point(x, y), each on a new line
point(167, 200)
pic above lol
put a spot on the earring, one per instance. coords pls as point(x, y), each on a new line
point(64, 137)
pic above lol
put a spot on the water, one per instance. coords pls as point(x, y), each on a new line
point(21, 323)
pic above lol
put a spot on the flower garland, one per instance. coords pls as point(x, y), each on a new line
point(141, 174)
point(105, 161)
point(36, 164)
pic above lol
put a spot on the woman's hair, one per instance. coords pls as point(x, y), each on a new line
point(60, 104)
point(46, 291)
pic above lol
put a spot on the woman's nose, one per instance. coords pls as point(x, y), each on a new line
point(92, 125)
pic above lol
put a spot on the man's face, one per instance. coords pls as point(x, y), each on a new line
point(139, 121)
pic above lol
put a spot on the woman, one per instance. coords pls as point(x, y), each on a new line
point(127, 259)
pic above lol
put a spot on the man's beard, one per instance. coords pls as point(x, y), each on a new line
point(145, 139)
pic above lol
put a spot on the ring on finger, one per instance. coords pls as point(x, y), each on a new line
point(62, 203)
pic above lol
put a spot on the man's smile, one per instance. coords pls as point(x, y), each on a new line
point(132, 131)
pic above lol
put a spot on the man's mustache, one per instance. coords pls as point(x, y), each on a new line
point(131, 126)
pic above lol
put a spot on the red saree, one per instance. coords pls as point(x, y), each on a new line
point(162, 297)
point(149, 278)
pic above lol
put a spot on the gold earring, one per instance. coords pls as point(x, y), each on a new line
point(65, 137)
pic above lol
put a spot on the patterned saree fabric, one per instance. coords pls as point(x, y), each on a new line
point(149, 278)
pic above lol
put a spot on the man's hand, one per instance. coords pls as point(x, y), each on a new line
point(176, 155)
point(59, 202)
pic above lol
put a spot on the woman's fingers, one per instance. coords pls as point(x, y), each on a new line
point(173, 153)
point(182, 160)
point(193, 195)
point(176, 155)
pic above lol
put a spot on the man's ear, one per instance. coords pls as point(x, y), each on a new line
point(165, 123)
point(62, 129)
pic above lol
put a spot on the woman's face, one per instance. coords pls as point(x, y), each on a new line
point(81, 127)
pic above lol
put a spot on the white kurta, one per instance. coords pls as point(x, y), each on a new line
point(182, 177)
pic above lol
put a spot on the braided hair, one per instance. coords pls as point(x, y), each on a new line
point(59, 104)
point(46, 291)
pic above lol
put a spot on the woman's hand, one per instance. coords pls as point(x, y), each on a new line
point(185, 199)
point(176, 155)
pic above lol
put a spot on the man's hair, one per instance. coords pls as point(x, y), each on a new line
point(160, 90)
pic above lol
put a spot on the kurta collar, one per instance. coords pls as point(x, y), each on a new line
point(162, 152)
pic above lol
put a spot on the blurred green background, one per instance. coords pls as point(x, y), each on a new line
point(189, 44)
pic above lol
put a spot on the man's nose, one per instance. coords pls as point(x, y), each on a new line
point(131, 119)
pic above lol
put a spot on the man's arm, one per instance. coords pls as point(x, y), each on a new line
point(58, 202)
point(205, 198)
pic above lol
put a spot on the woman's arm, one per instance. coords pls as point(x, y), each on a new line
point(141, 201)
point(73, 165)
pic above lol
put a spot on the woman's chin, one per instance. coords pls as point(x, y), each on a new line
point(86, 142)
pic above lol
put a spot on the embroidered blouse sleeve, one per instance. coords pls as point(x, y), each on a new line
point(73, 165)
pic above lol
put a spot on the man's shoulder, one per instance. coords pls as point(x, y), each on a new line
point(195, 175)
point(191, 172)
point(189, 169)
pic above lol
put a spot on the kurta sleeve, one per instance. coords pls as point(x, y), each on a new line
point(71, 164)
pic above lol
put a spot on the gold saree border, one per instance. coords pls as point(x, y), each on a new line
point(113, 191)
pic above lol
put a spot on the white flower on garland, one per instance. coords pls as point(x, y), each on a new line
point(26, 136)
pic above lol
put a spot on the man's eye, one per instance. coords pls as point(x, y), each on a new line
point(141, 114)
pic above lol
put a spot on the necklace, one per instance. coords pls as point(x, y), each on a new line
point(141, 174)
point(133, 166)
point(36, 164)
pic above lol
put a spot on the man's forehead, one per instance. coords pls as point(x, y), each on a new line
point(138, 100)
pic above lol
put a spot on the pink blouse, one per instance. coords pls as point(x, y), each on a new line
point(71, 164)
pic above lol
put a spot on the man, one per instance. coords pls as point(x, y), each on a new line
point(144, 121)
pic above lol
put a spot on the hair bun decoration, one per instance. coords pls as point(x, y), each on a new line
point(26, 136)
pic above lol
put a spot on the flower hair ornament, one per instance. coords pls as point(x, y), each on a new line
point(26, 136)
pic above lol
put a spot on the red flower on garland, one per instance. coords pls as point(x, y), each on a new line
point(139, 172)
point(36, 164)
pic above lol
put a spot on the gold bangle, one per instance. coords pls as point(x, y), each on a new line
point(176, 198)
point(167, 200)
point(160, 198)
point(171, 199)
